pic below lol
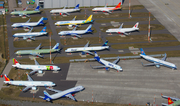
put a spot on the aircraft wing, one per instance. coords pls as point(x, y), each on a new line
point(121, 26)
point(36, 63)
point(54, 90)
point(30, 30)
point(74, 18)
point(76, 35)
point(164, 58)
point(29, 78)
point(65, 7)
point(37, 48)
point(28, 20)
point(172, 98)
point(117, 60)
point(35, 54)
point(95, 67)
point(25, 9)
point(150, 64)
point(26, 88)
point(26, 26)
point(88, 52)
point(74, 29)
point(71, 97)
point(33, 71)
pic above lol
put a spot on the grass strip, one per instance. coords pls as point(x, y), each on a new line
point(24, 43)
point(142, 27)
point(81, 41)
point(140, 38)
point(145, 45)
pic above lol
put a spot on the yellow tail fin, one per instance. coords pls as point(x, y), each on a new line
point(89, 19)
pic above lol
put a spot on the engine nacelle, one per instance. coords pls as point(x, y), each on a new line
point(34, 88)
point(70, 25)
point(40, 71)
point(157, 66)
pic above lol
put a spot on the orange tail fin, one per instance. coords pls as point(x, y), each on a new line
point(118, 6)
point(170, 101)
point(6, 78)
point(15, 61)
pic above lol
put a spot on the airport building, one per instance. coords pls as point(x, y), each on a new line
point(73, 3)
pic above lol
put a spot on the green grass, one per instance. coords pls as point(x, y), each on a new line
point(140, 38)
point(24, 43)
point(124, 20)
point(82, 41)
point(78, 28)
point(142, 27)
point(115, 15)
point(34, 30)
point(144, 45)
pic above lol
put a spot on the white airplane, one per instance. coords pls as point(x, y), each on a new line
point(107, 64)
point(29, 24)
point(30, 34)
point(36, 68)
point(30, 84)
point(66, 93)
point(172, 101)
point(87, 49)
point(74, 22)
point(156, 62)
point(65, 11)
point(121, 30)
point(75, 32)
point(107, 9)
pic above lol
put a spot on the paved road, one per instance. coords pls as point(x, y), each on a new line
point(166, 12)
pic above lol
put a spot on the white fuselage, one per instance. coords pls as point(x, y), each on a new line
point(37, 67)
point(32, 24)
point(110, 65)
point(78, 32)
point(66, 92)
point(33, 34)
point(103, 9)
point(70, 22)
point(86, 48)
point(63, 10)
point(30, 83)
point(158, 61)
point(121, 30)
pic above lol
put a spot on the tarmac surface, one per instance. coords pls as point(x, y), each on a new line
point(136, 85)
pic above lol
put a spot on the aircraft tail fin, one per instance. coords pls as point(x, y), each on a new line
point(47, 96)
point(40, 22)
point(142, 51)
point(118, 6)
point(7, 78)
point(105, 44)
point(43, 30)
point(170, 101)
point(56, 46)
point(89, 19)
point(77, 6)
point(37, 8)
point(136, 25)
point(15, 62)
point(96, 56)
point(89, 29)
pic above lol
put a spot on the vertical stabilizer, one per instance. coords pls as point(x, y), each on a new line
point(89, 29)
point(56, 46)
point(142, 51)
point(105, 44)
point(37, 8)
point(15, 62)
point(7, 78)
point(77, 6)
point(40, 22)
point(89, 19)
point(43, 30)
point(47, 96)
point(118, 6)
point(170, 101)
point(96, 56)
point(136, 25)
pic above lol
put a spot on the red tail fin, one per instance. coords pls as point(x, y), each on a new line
point(170, 101)
point(118, 6)
point(6, 77)
point(15, 61)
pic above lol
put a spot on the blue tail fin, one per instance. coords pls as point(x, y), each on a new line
point(77, 6)
point(43, 30)
point(142, 51)
point(105, 44)
point(56, 46)
point(89, 29)
point(40, 22)
point(96, 56)
point(47, 96)
point(37, 8)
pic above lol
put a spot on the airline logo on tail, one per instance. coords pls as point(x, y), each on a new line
point(170, 101)
point(77, 6)
point(136, 25)
point(15, 62)
point(118, 6)
point(89, 19)
point(6, 77)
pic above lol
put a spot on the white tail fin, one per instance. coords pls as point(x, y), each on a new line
point(136, 25)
